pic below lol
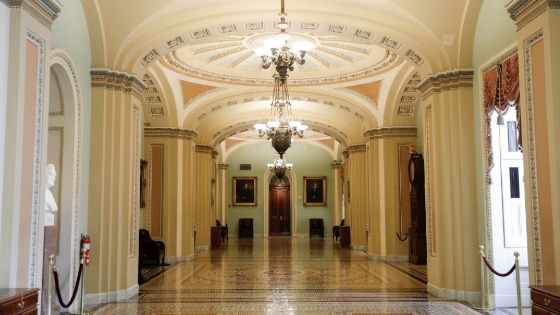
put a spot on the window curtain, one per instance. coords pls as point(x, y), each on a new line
point(501, 92)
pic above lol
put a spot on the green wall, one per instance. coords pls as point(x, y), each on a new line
point(308, 160)
point(70, 34)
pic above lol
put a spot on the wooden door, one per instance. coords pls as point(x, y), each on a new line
point(279, 214)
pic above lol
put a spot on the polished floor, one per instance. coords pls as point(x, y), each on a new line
point(285, 276)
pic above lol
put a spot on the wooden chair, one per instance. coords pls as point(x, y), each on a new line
point(336, 230)
point(246, 227)
point(150, 250)
point(316, 228)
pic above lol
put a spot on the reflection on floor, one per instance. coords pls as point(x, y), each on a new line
point(286, 276)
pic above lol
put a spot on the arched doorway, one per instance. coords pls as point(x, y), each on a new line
point(279, 215)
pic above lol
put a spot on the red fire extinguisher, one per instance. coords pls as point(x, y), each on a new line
point(86, 247)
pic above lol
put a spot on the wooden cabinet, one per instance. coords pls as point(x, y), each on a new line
point(18, 301)
point(216, 236)
point(545, 299)
point(344, 236)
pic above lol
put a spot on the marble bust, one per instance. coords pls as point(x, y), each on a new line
point(50, 203)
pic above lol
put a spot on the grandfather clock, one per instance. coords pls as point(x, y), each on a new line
point(417, 232)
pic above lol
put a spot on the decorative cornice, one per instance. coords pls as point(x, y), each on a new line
point(524, 11)
point(44, 11)
point(157, 132)
point(201, 148)
point(445, 81)
point(390, 132)
point(117, 80)
point(336, 164)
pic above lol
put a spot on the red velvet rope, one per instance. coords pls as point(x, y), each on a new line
point(497, 273)
point(75, 288)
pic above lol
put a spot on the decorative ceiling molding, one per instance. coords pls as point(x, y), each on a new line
point(524, 11)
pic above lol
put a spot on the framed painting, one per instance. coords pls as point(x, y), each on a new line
point(244, 191)
point(315, 190)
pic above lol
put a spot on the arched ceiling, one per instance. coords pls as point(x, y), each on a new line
point(197, 60)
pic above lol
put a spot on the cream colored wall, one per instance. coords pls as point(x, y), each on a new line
point(539, 46)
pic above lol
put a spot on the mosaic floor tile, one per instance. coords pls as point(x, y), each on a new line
point(285, 276)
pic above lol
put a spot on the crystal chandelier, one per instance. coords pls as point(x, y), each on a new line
point(281, 127)
point(279, 166)
point(279, 53)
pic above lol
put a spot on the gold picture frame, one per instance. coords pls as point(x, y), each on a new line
point(244, 191)
point(314, 190)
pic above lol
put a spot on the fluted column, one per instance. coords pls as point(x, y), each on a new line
point(384, 186)
point(114, 185)
point(538, 38)
point(356, 194)
point(451, 216)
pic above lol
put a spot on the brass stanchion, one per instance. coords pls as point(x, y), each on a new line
point(82, 312)
point(518, 283)
point(49, 288)
point(482, 281)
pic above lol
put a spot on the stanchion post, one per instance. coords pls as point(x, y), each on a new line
point(49, 288)
point(83, 281)
point(482, 279)
point(518, 283)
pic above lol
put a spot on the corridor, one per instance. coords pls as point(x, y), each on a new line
point(284, 275)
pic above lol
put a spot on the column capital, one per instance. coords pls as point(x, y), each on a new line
point(200, 148)
point(223, 166)
point(156, 132)
point(524, 11)
point(390, 132)
point(446, 81)
point(117, 80)
point(353, 149)
point(336, 164)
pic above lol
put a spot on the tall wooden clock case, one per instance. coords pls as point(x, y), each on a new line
point(417, 232)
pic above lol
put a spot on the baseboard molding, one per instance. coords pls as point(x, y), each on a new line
point(176, 259)
point(387, 257)
point(473, 298)
point(109, 297)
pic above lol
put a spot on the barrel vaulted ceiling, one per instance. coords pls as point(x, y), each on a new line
point(198, 62)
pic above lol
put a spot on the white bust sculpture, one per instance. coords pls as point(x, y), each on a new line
point(50, 203)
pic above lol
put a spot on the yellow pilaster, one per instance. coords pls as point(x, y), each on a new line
point(177, 190)
point(384, 206)
point(205, 217)
point(356, 194)
point(337, 192)
point(451, 214)
point(114, 172)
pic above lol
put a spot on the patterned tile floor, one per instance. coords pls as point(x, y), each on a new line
point(285, 276)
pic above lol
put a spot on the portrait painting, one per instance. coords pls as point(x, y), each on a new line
point(315, 190)
point(244, 191)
